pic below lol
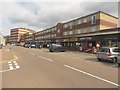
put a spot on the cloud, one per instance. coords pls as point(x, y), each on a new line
point(41, 15)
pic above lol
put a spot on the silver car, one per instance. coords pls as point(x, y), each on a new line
point(108, 53)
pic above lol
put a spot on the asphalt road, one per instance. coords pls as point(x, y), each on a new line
point(38, 68)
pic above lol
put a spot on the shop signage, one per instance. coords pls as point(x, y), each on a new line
point(66, 40)
point(73, 39)
point(84, 38)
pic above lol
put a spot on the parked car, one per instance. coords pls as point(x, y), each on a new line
point(108, 53)
point(56, 48)
point(26, 45)
point(38, 46)
point(1, 46)
point(32, 46)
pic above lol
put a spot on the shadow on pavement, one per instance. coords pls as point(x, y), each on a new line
point(104, 62)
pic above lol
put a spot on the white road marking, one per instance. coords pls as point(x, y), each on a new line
point(32, 53)
point(16, 64)
point(7, 70)
point(91, 75)
point(11, 67)
point(17, 67)
point(9, 62)
point(12, 64)
point(46, 58)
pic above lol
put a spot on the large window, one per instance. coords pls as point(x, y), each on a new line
point(93, 19)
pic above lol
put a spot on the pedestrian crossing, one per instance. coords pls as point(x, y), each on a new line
point(9, 66)
point(13, 65)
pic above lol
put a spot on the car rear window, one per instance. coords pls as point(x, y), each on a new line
point(116, 50)
point(104, 50)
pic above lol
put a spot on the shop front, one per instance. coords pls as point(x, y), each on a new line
point(88, 44)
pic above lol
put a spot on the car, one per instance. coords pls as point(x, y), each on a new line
point(26, 45)
point(32, 46)
point(1, 46)
point(56, 48)
point(38, 46)
point(108, 53)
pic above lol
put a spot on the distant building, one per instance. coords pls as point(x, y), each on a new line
point(2, 40)
point(17, 33)
point(7, 39)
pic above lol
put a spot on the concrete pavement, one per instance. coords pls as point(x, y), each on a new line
point(41, 69)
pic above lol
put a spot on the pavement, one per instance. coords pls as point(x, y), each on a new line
point(39, 68)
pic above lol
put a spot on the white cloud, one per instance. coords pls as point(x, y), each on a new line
point(40, 15)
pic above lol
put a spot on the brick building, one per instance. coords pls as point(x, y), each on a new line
point(17, 33)
point(75, 32)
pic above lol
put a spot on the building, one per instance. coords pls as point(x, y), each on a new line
point(17, 33)
point(2, 40)
point(49, 35)
point(7, 39)
point(82, 26)
point(80, 34)
point(74, 33)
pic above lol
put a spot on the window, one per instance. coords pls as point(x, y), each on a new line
point(84, 20)
point(116, 50)
point(65, 33)
point(79, 31)
point(79, 21)
point(70, 32)
point(93, 19)
point(93, 28)
point(84, 30)
point(65, 26)
point(58, 31)
point(71, 24)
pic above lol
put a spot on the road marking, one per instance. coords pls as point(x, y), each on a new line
point(46, 58)
point(16, 64)
point(32, 53)
point(91, 75)
point(13, 64)
point(14, 58)
point(7, 70)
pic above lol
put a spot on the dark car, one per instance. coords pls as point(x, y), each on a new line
point(1, 46)
point(26, 45)
point(56, 48)
point(38, 46)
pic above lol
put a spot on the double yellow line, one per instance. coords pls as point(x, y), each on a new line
point(14, 58)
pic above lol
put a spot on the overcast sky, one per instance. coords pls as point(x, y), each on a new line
point(41, 15)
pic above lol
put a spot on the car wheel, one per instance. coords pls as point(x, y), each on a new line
point(118, 64)
point(114, 60)
point(99, 59)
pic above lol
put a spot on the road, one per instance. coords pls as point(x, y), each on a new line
point(39, 68)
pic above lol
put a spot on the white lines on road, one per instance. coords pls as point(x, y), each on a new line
point(13, 64)
point(91, 75)
point(45, 58)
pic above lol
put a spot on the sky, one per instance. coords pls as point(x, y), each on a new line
point(44, 14)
